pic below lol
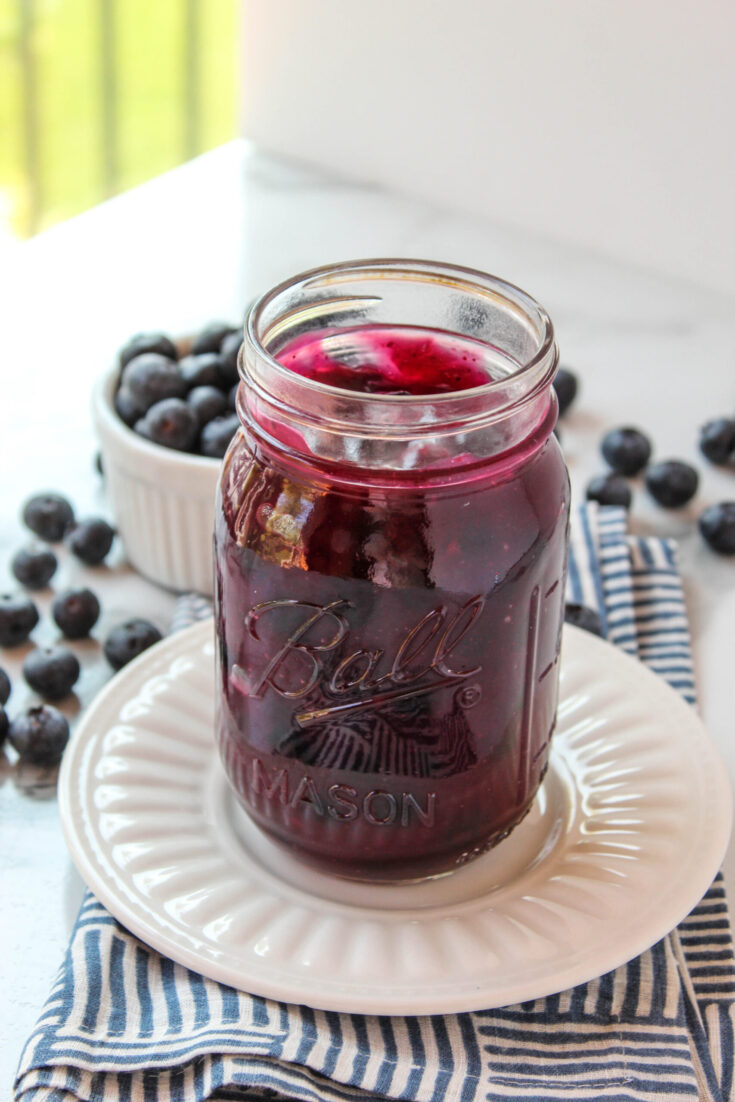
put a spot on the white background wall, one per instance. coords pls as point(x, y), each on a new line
point(608, 124)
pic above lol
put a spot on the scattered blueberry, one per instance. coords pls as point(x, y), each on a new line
point(228, 358)
point(566, 386)
point(203, 370)
point(717, 440)
point(717, 525)
point(48, 516)
point(4, 724)
point(127, 407)
point(34, 566)
point(18, 617)
point(216, 436)
point(207, 403)
point(232, 396)
point(4, 686)
point(51, 671)
point(143, 343)
point(90, 540)
point(40, 735)
point(627, 450)
point(211, 337)
point(128, 640)
point(76, 611)
point(171, 423)
point(582, 616)
point(672, 483)
point(609, 489)
point(151, 379)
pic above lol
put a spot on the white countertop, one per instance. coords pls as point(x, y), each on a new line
point(196, 245)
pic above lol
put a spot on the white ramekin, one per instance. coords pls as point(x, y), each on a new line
point(163, 500)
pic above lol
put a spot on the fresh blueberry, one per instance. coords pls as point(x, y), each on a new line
point(203, 370)
point(128, 640)
point(609, 489)
point(40, 735)
point(151, 379)
point(717, 525)
point(4, 724)
point(672, 483)
point(566, 386)
point(76, 611)
point(232, 396)
point(18, 617)
point(216, 436)
point(51, 671)
point(627, 450)
point(582, 616)
point(4, 686)
point(143, 343)
point(207, 402)
point(127, 407)
point(717, 440)
point(171, 423)
point(34, 566)
point(90, 540)
point(211, 337)
point(228, 359)
point(48, 516)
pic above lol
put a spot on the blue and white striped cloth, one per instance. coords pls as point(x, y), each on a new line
point(126, 1025)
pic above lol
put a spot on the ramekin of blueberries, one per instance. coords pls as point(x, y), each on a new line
point(165, 415)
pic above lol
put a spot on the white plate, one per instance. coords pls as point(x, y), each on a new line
point(625, 837)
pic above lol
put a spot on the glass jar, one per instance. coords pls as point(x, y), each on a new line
point(390, 543)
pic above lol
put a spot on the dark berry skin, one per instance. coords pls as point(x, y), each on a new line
point(40, 735)
point(207, 403)
point(228, 359)
point(211, 337)
point(76, 611)
point(34, 566)
point(142, 343)
point(150, 379)
point(566, 386)
point(18, 617)
point(51, 672)
point(717, 525)
point(172, 424)
point(128, 640)
point(90, 540)
point(581, 616)
point(127, 407)
point(627, 450)
point(4, 724)
point(717, 441)
point(48, 516)
point(204, 370)
point(609, 489)
point(4, 686)
point(216, 436)
point(672, 483)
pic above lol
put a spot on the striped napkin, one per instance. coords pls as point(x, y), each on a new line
point(125, 1024)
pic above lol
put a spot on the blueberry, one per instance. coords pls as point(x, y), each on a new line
point(34, 566)
point(627, 450)
point(40, 735)
point(151, 379)
point(232, 396)
point(211, 337)
point(18, 617)
point(4, 724)
point(142, 343)
point(52, 671)
point(717, 440)
point(228, 359)
point(48, 516)
point(672, 483)
point(170, 423)
point(717, 525)
point(566, 386)
point(127, 407)
point(76, 611)
point(582, 616)
point(204, 370)
point(4, 686)
point(90, 540)
point(128, 640)
point(216, 436)
point(207, 402)
point(609, 489)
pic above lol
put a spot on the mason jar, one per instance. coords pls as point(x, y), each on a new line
point(390, 544)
